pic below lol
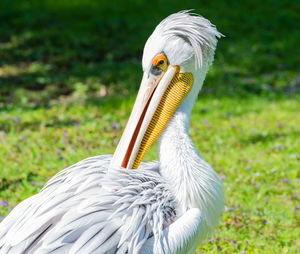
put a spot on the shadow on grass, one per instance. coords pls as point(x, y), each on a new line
point(266, 138)
point(54, 45)
point(11, 124)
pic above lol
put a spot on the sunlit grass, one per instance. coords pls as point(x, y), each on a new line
point(253, 145)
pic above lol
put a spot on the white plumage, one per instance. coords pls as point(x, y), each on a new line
point(166, 207)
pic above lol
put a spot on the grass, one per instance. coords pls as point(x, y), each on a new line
point(69, 73)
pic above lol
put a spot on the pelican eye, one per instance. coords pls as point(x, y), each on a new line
point(159, 64)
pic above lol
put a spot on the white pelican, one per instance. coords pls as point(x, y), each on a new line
point(100, 205)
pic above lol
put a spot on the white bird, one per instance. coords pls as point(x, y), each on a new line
point(101, 205)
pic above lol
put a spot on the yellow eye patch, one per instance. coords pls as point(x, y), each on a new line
point(160, 61)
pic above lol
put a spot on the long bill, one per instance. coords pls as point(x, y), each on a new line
point(155, 104)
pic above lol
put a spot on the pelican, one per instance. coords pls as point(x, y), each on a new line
point(102, 205)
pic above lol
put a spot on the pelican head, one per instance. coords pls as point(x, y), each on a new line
point(175, 61)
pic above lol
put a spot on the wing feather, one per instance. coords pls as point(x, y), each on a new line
point(83, 209)
point(179, 237)
point(96, 237)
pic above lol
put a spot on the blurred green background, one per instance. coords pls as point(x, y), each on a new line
point(51, 49)
point(69, 73)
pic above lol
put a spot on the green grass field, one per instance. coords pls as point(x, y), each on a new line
point(69, 73)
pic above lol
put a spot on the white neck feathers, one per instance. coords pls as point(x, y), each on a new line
point(192, 180)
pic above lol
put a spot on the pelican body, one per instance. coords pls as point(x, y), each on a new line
point(102, 205)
